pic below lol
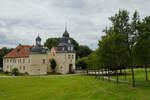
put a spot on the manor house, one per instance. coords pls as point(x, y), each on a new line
point(35, 60)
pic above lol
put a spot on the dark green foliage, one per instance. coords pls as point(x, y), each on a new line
point(75, 43)
point(3, 52)
point(83, 51)
point(53, 64)
point(15, 71)
point(81, 63)
point(117, 49)
point(51, 42)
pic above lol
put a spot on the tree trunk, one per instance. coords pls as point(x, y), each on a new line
point(146, 73)
point(125, 75)
point(117, 78)
point(121, 71)
point(87, 72)
point(108, 74)
point(133, 79)
point(95, 73)
point(102, 75)
point(99, 73)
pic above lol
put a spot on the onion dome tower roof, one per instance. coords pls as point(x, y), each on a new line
point(66, 34)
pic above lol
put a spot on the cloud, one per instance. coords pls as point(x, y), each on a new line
point(22, 20)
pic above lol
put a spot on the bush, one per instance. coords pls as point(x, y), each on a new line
point(81, 64)
point(53, 64)
point(15, 71)
point(6, 72)
point(26, 73)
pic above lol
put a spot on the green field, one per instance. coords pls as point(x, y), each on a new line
point(68, 88)
point(139, 76)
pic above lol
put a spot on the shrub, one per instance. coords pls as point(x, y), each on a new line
point(26, 73)
point(53, 64)
point(15, 71)
point(6, 72)
point(81, 64)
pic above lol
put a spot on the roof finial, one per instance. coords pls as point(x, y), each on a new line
point(66, 26)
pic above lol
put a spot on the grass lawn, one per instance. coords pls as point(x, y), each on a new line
point(139, 76)
point(68, 88)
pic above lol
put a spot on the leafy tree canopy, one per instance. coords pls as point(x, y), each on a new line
point(83, 51)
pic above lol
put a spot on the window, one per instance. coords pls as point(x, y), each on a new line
point(20, 67)
point(23, 67)
point(7, 67)
point(72, 57)
point(43, 61)
point(10, 67)
point(71, 48)
point(29, 60)
point(10, 60)
point(69, 41)
point(68, 56)
point(23, 60)
point(63, 48)
point(68, 48)
point(7, 60)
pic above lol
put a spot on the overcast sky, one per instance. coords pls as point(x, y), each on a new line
point(22, 20)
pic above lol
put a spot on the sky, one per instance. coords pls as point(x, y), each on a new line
point(22, 20)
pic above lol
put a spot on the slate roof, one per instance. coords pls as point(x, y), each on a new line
point(38, 50)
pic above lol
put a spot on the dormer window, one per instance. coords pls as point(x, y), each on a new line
point(69, 41)
point(71, 48)
point(63, 48)
point(38, 41)
point(68, 48)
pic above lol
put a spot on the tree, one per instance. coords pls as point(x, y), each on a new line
point(53, 64)
point(75, 43)
point(83, 51)
point(15, 71)
point(50, 42)
point(81, 63)
point(142, 46)
point(112, 52)
point(121, 24)
point(3, 52)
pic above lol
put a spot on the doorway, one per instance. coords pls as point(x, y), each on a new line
point(70, 69)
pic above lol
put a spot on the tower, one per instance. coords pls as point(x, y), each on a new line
point(65, 55)
point(38, 41)
point(65, 43)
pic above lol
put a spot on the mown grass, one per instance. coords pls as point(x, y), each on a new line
point(68, 88)
point(140, 76)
